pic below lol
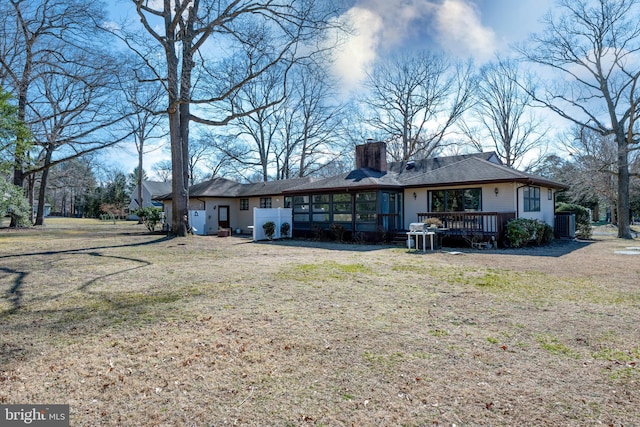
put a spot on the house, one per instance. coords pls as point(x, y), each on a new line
point(150, 191)
point(474, 195)
point(227, 204)
point(46, 211)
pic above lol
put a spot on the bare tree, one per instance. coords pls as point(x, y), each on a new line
point(206, 159)
point(311, 131)
point(502, 115)
point(593, 46)
point(259, 104)
point(73, 107)
point(415, 100)
point(198, 39)
point(144, 123)
point(593, 176)
point(69, 185)
point(295, 137)
point(162, 169)
point(35, 34)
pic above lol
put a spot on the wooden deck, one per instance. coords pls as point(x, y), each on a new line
point(472, 226)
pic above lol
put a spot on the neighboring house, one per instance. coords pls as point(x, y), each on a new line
point(473, 195)
point(150, 191)
point(46, 211)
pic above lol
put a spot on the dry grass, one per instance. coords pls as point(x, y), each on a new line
point(135, 329)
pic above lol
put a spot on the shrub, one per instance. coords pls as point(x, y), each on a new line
point(284, 229)
point(523, 231)
point(269, 228)
point(14, 203)
point(337, 232)
point(547, 233)
point(583, 218)
point(150, 217)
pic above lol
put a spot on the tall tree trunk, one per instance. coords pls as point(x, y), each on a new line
point(43, 186)
point(139, 177)
point(20, 154)
point(623, 204)
point(179, 198)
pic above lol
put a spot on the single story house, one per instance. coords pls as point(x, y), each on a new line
point(472, 194)
point(150, 191)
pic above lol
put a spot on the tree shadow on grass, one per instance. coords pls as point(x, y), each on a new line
point(81, 312)
point(43, 329)
point(15, 293)
point(555, 249)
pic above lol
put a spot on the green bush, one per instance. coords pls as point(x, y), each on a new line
point(269, 228)
point(14, 203)
point(337, 232)
point(523, 231)
point(284, 229)
point(150, 217)
point(583, 218)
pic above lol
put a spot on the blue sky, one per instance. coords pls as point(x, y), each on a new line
point(477, 29)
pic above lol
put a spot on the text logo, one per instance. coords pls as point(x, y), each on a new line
point(34, 415)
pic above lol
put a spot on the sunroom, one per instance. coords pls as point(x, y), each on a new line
point(360, 214)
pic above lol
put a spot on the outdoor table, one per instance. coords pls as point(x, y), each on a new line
point(424, 235)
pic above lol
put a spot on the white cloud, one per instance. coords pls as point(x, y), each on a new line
point(460, 31)
point(360, 50)
point(381, 26)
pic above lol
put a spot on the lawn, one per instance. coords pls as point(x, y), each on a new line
point(131, 328)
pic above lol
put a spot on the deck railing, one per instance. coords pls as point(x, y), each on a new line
point(480, 226)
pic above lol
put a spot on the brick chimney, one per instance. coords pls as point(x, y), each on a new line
point(372, 155)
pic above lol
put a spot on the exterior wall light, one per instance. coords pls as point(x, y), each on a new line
point(415, 196)
point(496, 190)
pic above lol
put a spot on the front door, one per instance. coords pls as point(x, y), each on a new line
point(223, 216)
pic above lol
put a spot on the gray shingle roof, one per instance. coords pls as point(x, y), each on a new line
point(429, 164)
point(473, 170)
point(222, 187)
point(271, 188)
point(358, 178)
point(157, 188)
point(216, 187)
point(464, 169)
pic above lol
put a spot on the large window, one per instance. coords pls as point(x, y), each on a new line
point(320, 207)
point(531, 199)
point(244, 204)
point(301, 208)
point(265, 202)
point(456, 200)
point(366, 208)
point(342, 208)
